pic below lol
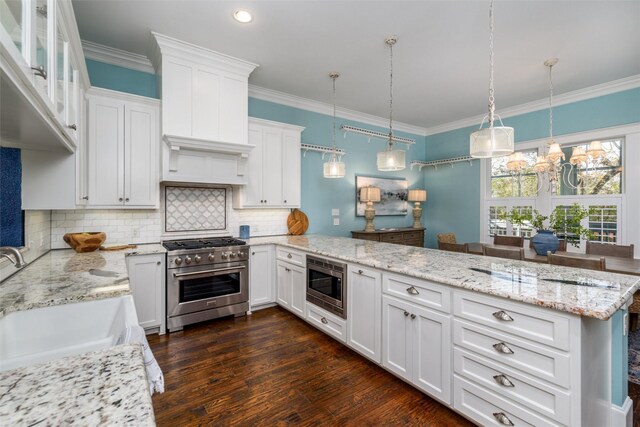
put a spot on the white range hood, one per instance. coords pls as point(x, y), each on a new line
point(204, 113)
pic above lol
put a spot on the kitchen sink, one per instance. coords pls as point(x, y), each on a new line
point(43, 334)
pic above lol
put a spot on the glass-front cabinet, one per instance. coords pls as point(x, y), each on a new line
point(11, 20)
point(41, 54)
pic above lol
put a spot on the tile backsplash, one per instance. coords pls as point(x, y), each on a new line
point(147, 225)
point(195, 209)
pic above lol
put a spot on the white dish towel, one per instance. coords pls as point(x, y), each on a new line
point(135, 334)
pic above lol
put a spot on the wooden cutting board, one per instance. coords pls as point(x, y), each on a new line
point(117, 248)
point(297, 222)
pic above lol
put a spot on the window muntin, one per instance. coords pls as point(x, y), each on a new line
point(603, 176)
point(504, 183)
point(497, 226)
point(603, 223)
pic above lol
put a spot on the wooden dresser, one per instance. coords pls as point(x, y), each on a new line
point(401, 236)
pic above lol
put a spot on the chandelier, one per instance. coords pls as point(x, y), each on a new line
point(390, 159)
point(335, 167)
point(493, 141)
point(552, 164)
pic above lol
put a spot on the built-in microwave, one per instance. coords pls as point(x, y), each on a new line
point(327, 285)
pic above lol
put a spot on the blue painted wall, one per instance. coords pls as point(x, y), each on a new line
point(11, 216)
point(320, 195)
point(454, 194)
point(112, 77)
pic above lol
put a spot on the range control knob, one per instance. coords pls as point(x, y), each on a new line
point(232, 254)
point(241, 254)
point(224, 255)
point(212, 257)
point(197, 258)
point(178, 261)
point(187, 260)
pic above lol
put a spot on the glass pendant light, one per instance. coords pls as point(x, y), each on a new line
point(390, 159)
point(334, 168)
point(493, 141)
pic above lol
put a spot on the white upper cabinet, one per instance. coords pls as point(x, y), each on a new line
point(43, 75)
point(273, 168)
point(122, 150)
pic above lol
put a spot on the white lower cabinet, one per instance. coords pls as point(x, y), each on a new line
point(262, 290)
point(416, 345)
point(291, 287)
point(147, 282)
point(327, 322)
point(364, 312)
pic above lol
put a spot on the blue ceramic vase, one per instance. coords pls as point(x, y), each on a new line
point(545, 241)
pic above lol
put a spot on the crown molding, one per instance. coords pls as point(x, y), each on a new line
point(542, 104)
point(327, 109)
point(113, 56)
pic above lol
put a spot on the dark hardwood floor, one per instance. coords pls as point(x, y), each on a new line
point(272, 368)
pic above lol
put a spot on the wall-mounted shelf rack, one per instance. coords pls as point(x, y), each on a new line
point(321, 149)
point(374, 134)
point(436, 163)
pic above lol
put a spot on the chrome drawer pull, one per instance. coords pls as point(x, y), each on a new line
point(324, 320)
point(289, 256)
point(287, 269)
point(360, 271)
point(502, 348)
point(412, 290)
point(501, 315)
point(503, 419)
point(503, 380)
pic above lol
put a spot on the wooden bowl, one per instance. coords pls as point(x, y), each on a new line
point(85, 242)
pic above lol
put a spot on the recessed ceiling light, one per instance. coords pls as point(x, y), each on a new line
point(242, 16)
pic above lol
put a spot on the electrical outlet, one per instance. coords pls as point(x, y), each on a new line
point(136, 232)
point(336, 221)
point(335, 212)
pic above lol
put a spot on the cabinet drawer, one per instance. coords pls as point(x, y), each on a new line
point(480, 405)
point(413, 235)
point(535, 324)
point(291, 256)
point(524, 389)
point(536, 360)
point(417, 243)
point(327, 322)
point(366, 236)
point(391, 237)
point(419, 291)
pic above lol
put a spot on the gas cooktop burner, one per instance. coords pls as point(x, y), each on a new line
point(212, 242)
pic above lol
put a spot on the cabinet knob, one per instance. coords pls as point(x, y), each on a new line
point(413, 316)
point(126, 200)
point(158, 262)
point(406, 313)
point(502, 348)
point(85, 198)
point(73, 126)
point(324, 320)
point(40, 71)
point(253, 253)
point(502, 315)
point(287, 269)
point(503, 419)
point(120, 199)
point(285, 201)
point(503, 380)
point(360, 271)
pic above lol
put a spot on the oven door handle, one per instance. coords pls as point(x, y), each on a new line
point(205, 272)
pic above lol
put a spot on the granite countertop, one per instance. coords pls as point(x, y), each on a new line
point(586, 293)
point(105, 387)
point(64, 276)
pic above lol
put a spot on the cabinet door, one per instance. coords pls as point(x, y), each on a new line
point(141, 155)
point(297, 276)
point(146, 278)
point(177, 96)
point(291, 172)
point(396, 337)
point(261, 286)
point(432, 352)
point(253, 190)
point(234, 108)
point(272, 167)
point(283, 282)
point(364, 309)
point(206, 104)
point(106, 152)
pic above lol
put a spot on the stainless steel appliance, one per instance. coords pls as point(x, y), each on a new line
point(206, 279)
point(327, 285)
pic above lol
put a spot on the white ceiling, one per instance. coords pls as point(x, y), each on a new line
point(440, 61)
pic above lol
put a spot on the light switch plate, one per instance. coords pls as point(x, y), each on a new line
point(335, 212)
point(336, 221)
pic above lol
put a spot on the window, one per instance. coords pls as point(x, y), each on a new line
point(507, 184)
point(602, 176)
point(603, 223)
point(497, 226)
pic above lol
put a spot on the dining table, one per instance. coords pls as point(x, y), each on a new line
point(613, 264)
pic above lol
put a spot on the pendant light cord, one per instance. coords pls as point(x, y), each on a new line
point(550, 105)
point(391, 94)
point(492, 106)
point(334, 115)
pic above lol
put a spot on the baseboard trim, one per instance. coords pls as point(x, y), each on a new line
point(622, 415)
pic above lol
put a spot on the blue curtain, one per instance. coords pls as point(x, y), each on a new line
point(11, 216)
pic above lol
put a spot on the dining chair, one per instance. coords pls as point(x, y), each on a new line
point(515, 253)
point(608, 249)
point(516, 241)
point(447, 237)
point(454, 247)
point(569, 261)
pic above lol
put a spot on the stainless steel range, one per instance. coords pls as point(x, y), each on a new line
point(206, 279)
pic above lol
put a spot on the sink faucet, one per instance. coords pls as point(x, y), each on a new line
point(19, 261)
